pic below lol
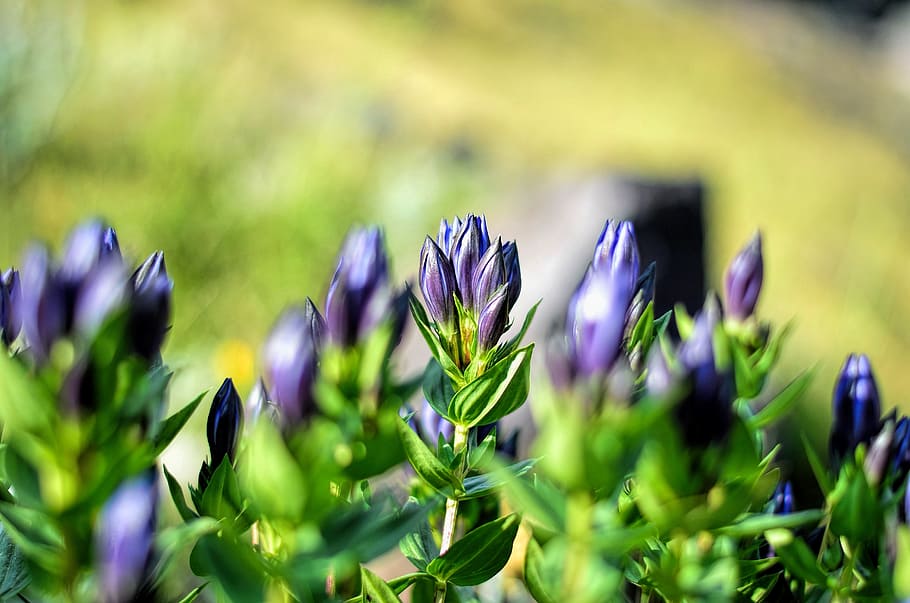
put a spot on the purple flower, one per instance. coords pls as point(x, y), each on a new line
point(856, 407)
point(430, 425)
point(10, 305)
point(743, 281)
point(513, 271)
point(103, 291)
point(124, 538)
point(43, 304)
point(438, 285)
point(469, 246)
point(291, 361)
point(150, 306)
point(617, 252)
point(222, 430)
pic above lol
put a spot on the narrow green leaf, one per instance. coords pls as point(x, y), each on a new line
point(194, 594)
point(782, 402)
point(169, 429)
point(14, 575)
point(419, 547)
point(177, 496)
point(818, 467)
point(502, 389)
point(757, 523)
point(532, 573)
point(481, 485)
point(235, 568)
point(430, 469)
point(509, 347)
point(856, 514)
point(429, 334)
point(479, 556)
point(375, 590)
point(796, 556)
point(684, 322)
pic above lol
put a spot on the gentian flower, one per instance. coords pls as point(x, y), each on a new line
point(438, 285)
point(43, 304)
point(150, 306)
point(743, 281)
point(124, 538)
point(856, 407)
point(222, 429)
point(10, 305)
point(291, 361)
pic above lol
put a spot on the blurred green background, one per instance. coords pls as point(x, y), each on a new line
point(245, 138)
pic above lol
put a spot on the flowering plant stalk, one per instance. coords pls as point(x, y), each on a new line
point(653, 474)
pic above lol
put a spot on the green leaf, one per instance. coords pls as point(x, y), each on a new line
point(419, 547)
point(221, 498)
point(194, 594)
point(168, 430)
point(533, 575)
point(177, 496)
point(234, 567)
point(856, 514)
point(509, 347)
point(902, 564)
point(782, 402)
point(660, 325)
point(429, 334)
point(755, 524)
point(430, 469)
point(818, 467)
point(375, 590)
point(684, 322)
point(479, 556)
point(14, 575)
point(481, 485)
point(502, 389)
point(796, 556)
point(437, 388)
point(271, 475)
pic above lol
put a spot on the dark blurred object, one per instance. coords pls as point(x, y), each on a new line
point(872, 10)
point(669, 221)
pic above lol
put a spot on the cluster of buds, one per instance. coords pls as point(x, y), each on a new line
point(89, 284)
point(604, 308)
point(360, 300)
point(743, 281)
point(223, 428)
point(469, 284)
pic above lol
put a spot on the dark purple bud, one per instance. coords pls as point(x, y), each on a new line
point(438, 285)
point(493, 320)
point(644, 295)
point(470, 244)
point(447, 234)
point(359, 294)
point(489, 276)
point(10, 305)
point(705, 413)
point(291, 363)
point(742, 283)
point(430, 425)
point(110, 246)
point(84, 248)
point(224, 423)
point(124, 538)
point(513, 271)
point(150, 306)
point(103, 291)
point(78, 392)
point(900, 451)
point(856, 408)
point(595, 322)
point(617, 252)
point(43, 304)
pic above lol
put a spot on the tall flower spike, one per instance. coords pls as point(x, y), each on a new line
point(437, 283)
point(291, 361)
point(150, 306)
point(125, 536)
point(743, 281)
point(856, 407)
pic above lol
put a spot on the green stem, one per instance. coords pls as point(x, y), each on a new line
point(448, 527)
point(579, 530)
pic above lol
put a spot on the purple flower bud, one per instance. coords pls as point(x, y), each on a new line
point(782, 500)
point(900, 451)
point(659, 381)
point(86, 246)
point(513, 271)
point(489, 276)
point(430, 425)
point(359, 295)
point(43, 304)
point(470, 244)
point(437, 283)
point(493, 320)
point(124, 538)
point(78, 392)
point(743, 280)
point(856, 408)
point(103, 291)
point(224, 423)
point(150, 306)
point(10, 305)
point(258, 403)
point(617, 251)
point(291, 362)
point(447, 234)
point(595, 322)
point(644, 295)
point(110, 246)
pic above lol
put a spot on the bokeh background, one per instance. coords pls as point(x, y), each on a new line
point(244, 138)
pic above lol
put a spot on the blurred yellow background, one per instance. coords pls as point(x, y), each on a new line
point(245, 138)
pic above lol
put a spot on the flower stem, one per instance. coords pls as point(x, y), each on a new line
point(459, 443)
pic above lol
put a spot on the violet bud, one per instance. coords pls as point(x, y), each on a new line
point(291, 362)
point(438, 285)
point(595, 322)
point(856, 408)
point(489, 276)
point(644, 295)
point(900, 451)
point(359, 295)
point(782, 500)
point(103, 291)
point(470, 244)
point(77, 391)
point(125, 536)
point(493, 321)
point(617, 251)
point(110, 246)
point(43, 305)
point(513, 271)
point(224, 423)
point(430, 425)
point(447, 234)
point(12, 315)
point(150, 306)
point(743, 281)
point(659, 381)
point(879, 454)
point(88, 243)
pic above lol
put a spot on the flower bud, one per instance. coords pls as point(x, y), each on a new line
point(291, 361)
point(430, 425)
point(359, 296)
point(224, 423)
point(438, 285)
point(470, 244)
point(43, 304)
point(493, 321)
point(150, 306)
point(743, 281)
point(856, 408)
point(124, 538)
point(513, 271)
point(900, 451)
point(103, 291)
point(447, 235)
point(617, 252)
point(879, 452)
point(110, 246)
point(659, 381)
point(489, 276)
point(782, 500)
point(87, 245)
point(10, 305)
